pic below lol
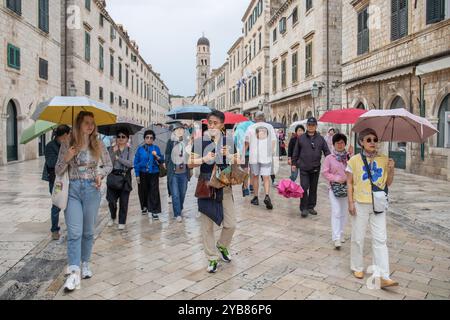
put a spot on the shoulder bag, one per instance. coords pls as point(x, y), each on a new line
point(380, 201)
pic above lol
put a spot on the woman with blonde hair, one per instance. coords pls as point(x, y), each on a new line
point(87, 162)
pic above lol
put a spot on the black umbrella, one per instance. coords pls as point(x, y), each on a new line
point(277, 125)
point(113, 129)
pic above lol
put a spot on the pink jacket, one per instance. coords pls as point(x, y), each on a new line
point(333, 170)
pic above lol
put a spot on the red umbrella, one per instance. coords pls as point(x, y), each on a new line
point(231, 118)
point(343, 116)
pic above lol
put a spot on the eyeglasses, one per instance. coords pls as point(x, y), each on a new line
point(149, 138)
point(369, 140)
point(121, 136)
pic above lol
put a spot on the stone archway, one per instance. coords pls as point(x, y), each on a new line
point(12, 147)
point(443, 122)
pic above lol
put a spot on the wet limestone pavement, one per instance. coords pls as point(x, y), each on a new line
point(276, 254)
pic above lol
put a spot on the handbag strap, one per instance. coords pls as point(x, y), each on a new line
point(366, 164)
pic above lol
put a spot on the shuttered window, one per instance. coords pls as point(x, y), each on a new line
point(43, 69)
point(309, 5)
point(15, 5)
point(274, 78)
point(100, 93)
point(87, 88)
point(101, 58)
point(13, 57)
point(111, 65)
point(308, 62)
point(435, 11)
point(87, 46)
point(283, 74)
point(363, 31)
point(399, 19)
point(43, 15)
point(294, 67)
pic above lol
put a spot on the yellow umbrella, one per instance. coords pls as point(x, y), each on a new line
point(64, 110)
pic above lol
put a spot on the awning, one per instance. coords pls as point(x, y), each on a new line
point(382, 77)
point(291, 97)
point(433, 66)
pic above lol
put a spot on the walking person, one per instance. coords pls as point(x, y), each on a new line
point(329, 138)
point(334, 172)
point(218, 207)
point(147, 159)
point(119, 181)
point(306, 157)
point(178, 173)
point(261, 140)
point(281, 143)
point(299, 131)
point(61, 136)
point(367, 173)
point(88, 163)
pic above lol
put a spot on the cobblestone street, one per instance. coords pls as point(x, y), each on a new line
point(276, 255)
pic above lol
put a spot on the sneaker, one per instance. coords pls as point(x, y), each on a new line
point(179, 219)
point(144, 211)
point(212, 266)
point(110, 222)
point(337, 244)
point(225, 254)
point(73, 281)
point(245, 192)
point(121, 227)
point(343, 239)
point(86, 272)
point(251, 188)
point(155, 216)
point(313, 212)
point(169, 200)
point(304, 213)
point(268, 203)
point(255, 201)
point(55, 235)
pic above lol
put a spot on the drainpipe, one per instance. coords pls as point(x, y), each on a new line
point(422, 112)
point(328, 55)
point(379, 95)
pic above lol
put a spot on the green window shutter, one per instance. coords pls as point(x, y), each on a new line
point(403, 18)
point(13, 57)
point(15, 5)
point(44, 15)
point(87, 46)
point(435, 11)
point(394, 19)
point(101, 58)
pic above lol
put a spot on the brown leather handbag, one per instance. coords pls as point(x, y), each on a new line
point(203, 190)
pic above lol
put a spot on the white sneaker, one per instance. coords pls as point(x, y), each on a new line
point(179, 219)
point(337, 244)
point(121, 226)
point(73, 281)
point(110, 222)
point(343, 239)
point(86, 272)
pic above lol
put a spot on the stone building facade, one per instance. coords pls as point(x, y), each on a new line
point(50, 48)
point(30, 72)
point(101, 61)
point(305, 47)
point(235, 86)
point(397, 54)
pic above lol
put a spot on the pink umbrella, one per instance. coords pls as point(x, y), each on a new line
point(342, 116)
point(396, 125)
point(289, 189)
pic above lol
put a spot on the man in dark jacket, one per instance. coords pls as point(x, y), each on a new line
point(307, 157)
point(51, 157)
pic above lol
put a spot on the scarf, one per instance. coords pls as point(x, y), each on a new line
point(341, 156)
point(370, 155)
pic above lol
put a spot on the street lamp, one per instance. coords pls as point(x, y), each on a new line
point(314, 95)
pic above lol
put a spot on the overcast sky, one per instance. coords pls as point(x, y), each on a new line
point(167, 32)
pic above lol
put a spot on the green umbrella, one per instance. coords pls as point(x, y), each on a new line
point(39, 128)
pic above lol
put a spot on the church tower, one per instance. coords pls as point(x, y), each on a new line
point(203, 62)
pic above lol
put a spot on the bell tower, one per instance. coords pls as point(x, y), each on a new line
point(203, 62)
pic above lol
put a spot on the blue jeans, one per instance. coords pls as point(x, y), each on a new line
point(178, 187)
point(294, 174)
point(54, 211)
point(81, 215)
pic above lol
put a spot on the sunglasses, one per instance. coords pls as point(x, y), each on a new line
point(121, 137)
point(369, 140)
point(150, 137)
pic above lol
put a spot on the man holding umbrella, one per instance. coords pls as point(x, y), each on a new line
point(306, 157)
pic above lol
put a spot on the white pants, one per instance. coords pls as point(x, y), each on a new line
point(339, 212)
point(380, 257)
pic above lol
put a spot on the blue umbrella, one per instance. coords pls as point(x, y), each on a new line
point(189, 112)
point(239, 134)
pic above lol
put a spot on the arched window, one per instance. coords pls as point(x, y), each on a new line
point(398, 103)
point(309, 114)
point(11, 132)
point(274, 119)
point(284, 120)
point(360, 106)
point(295, 118)
point(443, 121)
